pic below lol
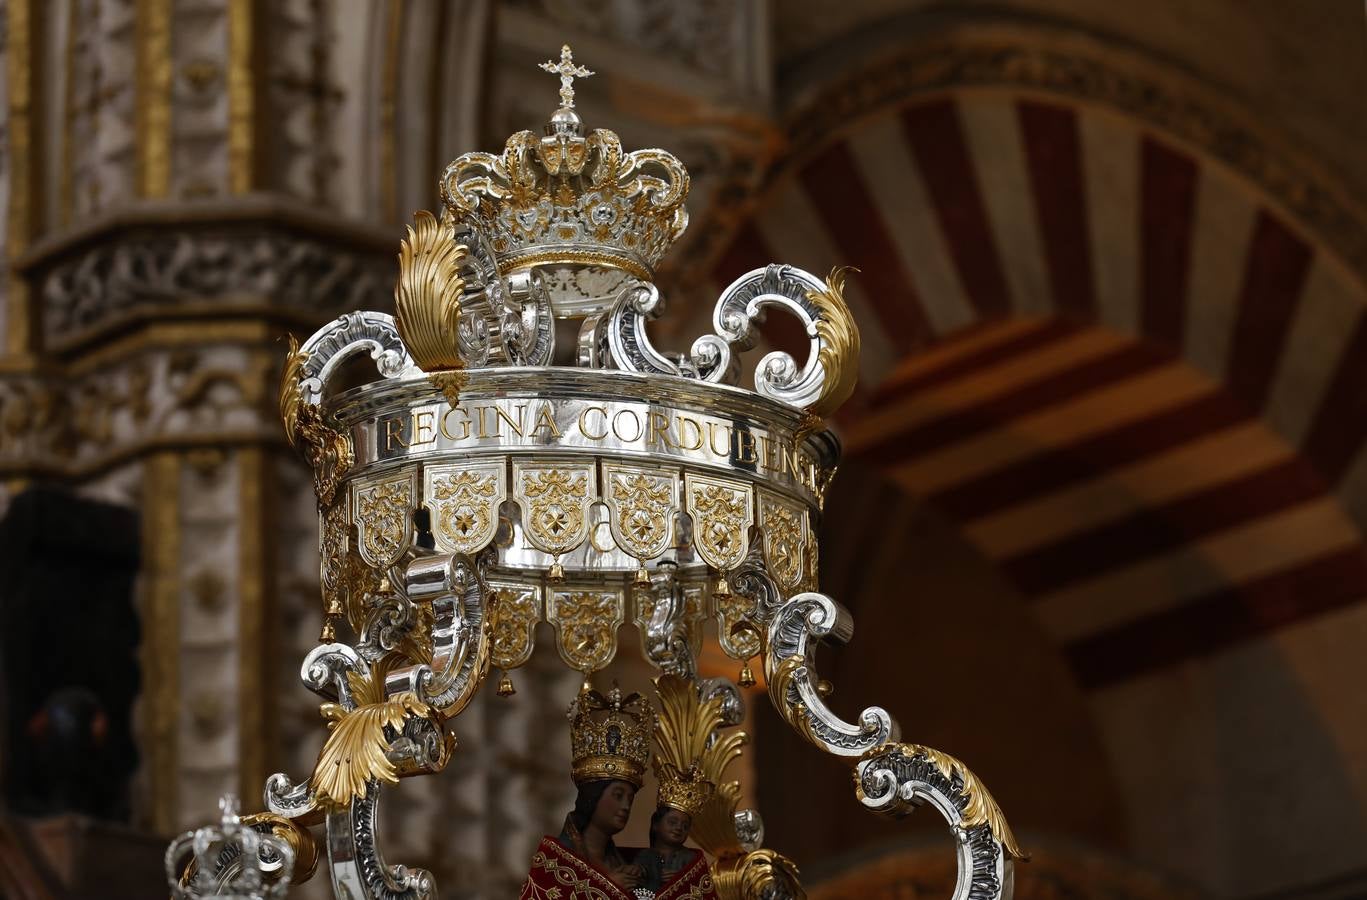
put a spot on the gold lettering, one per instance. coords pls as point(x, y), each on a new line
point(790, 461)
point(684, 442)
point(635, 419)
point(584, 426)
point(544, 419)
point(659, 430)
point(725, 449)
point(423, 425)
point(482, 429)
point(464, 421)
point(745, 449)
point(515, 426)
point(393, 431)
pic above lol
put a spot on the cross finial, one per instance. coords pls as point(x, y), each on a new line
point(567, 71)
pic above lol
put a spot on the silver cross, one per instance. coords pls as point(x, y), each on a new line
point(567, 71)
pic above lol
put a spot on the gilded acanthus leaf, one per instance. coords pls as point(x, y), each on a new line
point(980, 808)
point(839, 348)
point(354, 753)
point(427, 295)
point(326, 450)
point(291, 392)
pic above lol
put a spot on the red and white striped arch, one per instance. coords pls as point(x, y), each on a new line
point(1138, 385)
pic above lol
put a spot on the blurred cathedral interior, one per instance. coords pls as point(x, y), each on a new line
point(1101, 511)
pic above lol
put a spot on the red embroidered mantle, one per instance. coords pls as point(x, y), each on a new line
point(557, 874)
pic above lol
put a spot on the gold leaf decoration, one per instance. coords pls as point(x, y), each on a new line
point(354, 753)
point(427, 295)
point(980, 808)
point(838, 352)
point(327, 451)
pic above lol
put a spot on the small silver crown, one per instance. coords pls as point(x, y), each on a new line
point(231, 860)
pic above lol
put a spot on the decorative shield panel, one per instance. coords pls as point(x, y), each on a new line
point(784, 524)
point(463, 500)
point(555, 497)
point(641, 503)
point(732, 610)
point(382, 510)
point(722, 511)
point(586, 623)
point(514, 610)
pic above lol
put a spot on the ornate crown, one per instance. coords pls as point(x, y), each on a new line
point(686, 791)
point(610, 736)
point(567, 199)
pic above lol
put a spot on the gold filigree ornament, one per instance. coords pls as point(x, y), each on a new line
point(514, 610)
point(838, 349)
point(464, 499)
point(356, 750)
point(784, 525)
point(722, 511)
point(427, 294)
point(334, 538)
point(738, 638)
point(555, 499)
point(327, 451)
point(382, 509)
point(980, 807)
point(586, 623)
point(641, 504)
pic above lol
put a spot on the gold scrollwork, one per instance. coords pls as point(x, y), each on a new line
point(514, 610)
point(722, 513)
point(464, 501)
point(641, 503)
point(586, 623)
point(327, 451)
point(555, 499)
point(381, 511)
point(784, 524)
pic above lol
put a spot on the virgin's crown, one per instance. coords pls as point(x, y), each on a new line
point(610, 736)
point(569, 199)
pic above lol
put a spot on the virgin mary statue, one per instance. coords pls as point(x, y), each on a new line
point(610, 737)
